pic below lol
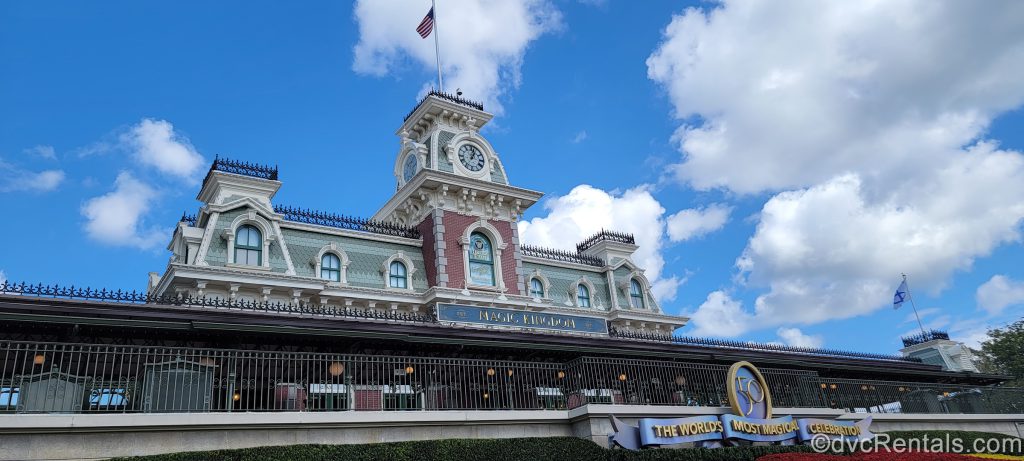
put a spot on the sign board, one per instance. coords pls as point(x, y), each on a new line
point(493, 316)
point(751, 421)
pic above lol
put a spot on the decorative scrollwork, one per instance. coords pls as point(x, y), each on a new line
point(322, 218)
point(136, 297)
point(560, 255)
point(243, 168)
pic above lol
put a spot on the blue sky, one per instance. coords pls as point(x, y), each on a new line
point(785, 164)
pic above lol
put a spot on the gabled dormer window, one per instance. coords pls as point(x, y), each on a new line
point(582, 296)
point(330, 267)
point(248, 246)
point(397, 275)
point(636, 295)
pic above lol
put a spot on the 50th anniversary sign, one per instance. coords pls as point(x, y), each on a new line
point(752, 421)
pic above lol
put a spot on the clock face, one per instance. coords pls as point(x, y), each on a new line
point(471, 158)
point(409, 169)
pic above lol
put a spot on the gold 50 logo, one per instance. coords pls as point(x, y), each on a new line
point(748, 392)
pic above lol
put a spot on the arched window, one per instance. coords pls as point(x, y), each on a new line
point(582, 295)
point(248, 246)
point(481, 260)
point(330, 267)
point(397, 277)
point(536, 288)
point(636, 297)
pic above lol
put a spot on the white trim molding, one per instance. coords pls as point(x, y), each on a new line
point(474, 139)
point(498, 245)
point(591, 290)
point(342, 257)
point(410, 269)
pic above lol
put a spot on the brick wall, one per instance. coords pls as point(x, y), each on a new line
point(455, 226)
point(426, 229)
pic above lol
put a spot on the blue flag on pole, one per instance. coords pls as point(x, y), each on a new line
point(900, 296)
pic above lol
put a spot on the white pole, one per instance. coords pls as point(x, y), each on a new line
point(437, 48)
point(915, 307)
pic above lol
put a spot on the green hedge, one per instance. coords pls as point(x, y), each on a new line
point(545, 448)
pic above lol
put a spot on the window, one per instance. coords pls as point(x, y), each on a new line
point(636, 297)
point(582, 295)
point(330, 267)
point(248, 246)
point(481, 260)
point(536, 288)
point(397, 277)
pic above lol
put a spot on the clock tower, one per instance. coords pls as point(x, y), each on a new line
point(452, 186)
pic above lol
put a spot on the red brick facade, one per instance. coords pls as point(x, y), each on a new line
point(426, 229)
point(454, 227)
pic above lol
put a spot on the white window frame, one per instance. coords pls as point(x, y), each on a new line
point(267, 234)
point(410, 269)
point(332, 248)
point(498, 245)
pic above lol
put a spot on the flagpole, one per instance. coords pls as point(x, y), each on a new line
point(913, 306)
point(437, 49)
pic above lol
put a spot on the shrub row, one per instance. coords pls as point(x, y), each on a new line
point(545, 448)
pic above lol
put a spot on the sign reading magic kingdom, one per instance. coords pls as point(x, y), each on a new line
point(751, 421)
point(493, 316)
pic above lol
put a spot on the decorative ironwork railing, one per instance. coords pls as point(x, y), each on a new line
point(190, 219)
point(751, 346)
point(605, 235)
point(137, 297)
point(243, 168)
point(48, 377)
point(924, 337)
point(457, 99)
point(561, 255)
point(322, 218)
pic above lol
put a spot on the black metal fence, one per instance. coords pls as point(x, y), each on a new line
point(561, 255)
point(322, 218)
point(84, 378)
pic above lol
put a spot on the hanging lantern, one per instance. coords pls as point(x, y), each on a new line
point(832, 386)
point(510, 373)
point(490, 372)
point(823, 385)
point(561, 374)
point(39, 359)
point(486, 396)
point(236, 397)
point(680, 380)
point(409, 370)
point(336, 368)
point(622, 377)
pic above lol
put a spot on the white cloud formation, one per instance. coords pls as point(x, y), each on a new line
point(873, 115)
point(720, 315)
point(585, 210)
point(116, 217)
point(580, 137)
point(795, 337)
point(42, 151)
point(998, 293)
point(482, 41)
point(155, 143)
point(14, 179)
point(697, 222)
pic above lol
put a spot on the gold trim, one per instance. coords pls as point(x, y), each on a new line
point(731, 382)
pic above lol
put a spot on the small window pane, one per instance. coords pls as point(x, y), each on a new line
point(636, 297)
point(536, 288)
point(582, 295)
point(397, 273)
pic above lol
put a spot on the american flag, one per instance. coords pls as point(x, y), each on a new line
point(426, 25)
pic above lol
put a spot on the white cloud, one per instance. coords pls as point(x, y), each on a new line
point(580, 137)
point(14, 179)
point(795, 337)
point(791, 93)
point(696, 222)
point(482, 41)
point(720, 315)
point(3, 277)
point(42, 151)
point(154, 143)
point(116, 218)
point(873, 116)
point(585, 210)
point(998, 293)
